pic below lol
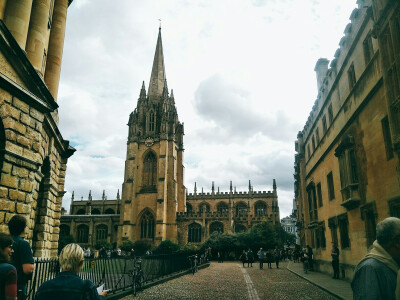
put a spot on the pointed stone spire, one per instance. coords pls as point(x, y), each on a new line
point(158, 77)
point(90, 195)
point(274, 185)
point(118, 197)
point(73, 196)
point(249, 186)
point(230, 187)
point(212, 188)
point(172, 97)
point(165, 90)
point(195, 188)
point(103, 197)
point(142, 95)
point(218, 190)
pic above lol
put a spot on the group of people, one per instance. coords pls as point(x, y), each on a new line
point(17, 266)
point(268, 256)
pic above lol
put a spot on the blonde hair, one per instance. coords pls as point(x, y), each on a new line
point(71, 257)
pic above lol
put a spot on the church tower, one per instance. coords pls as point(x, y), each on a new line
point(153, 190)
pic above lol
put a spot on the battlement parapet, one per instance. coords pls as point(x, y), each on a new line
point(227, 195)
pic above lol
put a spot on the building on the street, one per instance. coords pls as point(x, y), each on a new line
point(154, 204)
point(33, 153)
point(289, 225)
point(347, 160)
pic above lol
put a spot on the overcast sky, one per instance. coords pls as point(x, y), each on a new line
point(243, 77)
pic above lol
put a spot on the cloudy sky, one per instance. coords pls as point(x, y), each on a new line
point(243, 77)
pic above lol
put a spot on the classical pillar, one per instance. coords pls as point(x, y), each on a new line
point(38, 34)
point(56, 45)
point(3, 4)
point(16, 17)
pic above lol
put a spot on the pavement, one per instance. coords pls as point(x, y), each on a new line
point(336, 287)
point(229, 281)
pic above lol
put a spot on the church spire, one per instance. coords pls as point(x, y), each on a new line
point(158, 77)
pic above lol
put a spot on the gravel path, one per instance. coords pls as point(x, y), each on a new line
point(227, 281)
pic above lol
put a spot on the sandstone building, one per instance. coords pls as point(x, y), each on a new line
point(347, 161)
point(33, 153)
point(154, 204)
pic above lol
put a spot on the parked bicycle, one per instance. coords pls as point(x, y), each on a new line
point(137, 275)
point(193, 263)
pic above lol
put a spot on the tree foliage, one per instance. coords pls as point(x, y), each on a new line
point(126, 245)
point(141, 247)
point(103, 244)
point(166, 247)
point(64, 240)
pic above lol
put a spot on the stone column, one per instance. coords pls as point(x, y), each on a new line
point(16, 17)
point(56, 45)
point(3, 4)
point(38, 35)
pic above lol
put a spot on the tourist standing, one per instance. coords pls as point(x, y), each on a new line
point(377, 274)
point(243, 257)
point(22, 258)
point(67, 284)
point(250, 256)
point(310, 257)
point(305, 260)
point(220, 257)
point(277, 256)
point(261, 257)
point(335, 260)
point(8, 273)
point(269, 258)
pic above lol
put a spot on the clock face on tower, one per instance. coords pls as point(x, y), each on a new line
point(149, 142)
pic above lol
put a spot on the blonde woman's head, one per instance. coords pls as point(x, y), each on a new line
point(71, 258)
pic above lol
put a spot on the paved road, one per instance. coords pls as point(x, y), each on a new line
point(230, 281)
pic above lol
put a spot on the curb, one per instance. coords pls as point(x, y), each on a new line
point(315, 284)
point(127, 292)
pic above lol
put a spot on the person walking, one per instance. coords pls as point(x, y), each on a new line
point(277, 256)
point(377, 274)
point(22, 259)
point(243, 257)
point(310, 257)
point(305, 260)
point(269, 258)
point(220, 257)
point(8, 273)
point(67, 285)
point(250, 257)
point(261, 257)
point(335, 260)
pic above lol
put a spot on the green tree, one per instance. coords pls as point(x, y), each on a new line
point(103, 244)
point(141, 247)
point(166, 247)
point(126, 245)
point(64, 240)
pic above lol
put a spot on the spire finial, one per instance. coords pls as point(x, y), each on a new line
point(159, 28)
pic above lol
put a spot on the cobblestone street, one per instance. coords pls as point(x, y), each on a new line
point(230, 281)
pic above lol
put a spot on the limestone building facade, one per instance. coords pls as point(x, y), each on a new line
point(33, 153)
point(347, 160)
point(154, 204)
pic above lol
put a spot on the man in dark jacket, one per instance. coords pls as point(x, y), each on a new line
point(310, 258)
point(22, 258)
point(67, 285)
point(335, 260)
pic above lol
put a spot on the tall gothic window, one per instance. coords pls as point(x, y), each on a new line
point(241, 209)
point(152, 122)
point(95, 211)
point(147, 226)
point(109, 211)
point(194, 233)
point(222, 208)
point(80, 212)
point(261, 208)
point(312, 202)
point(240, 228)
point(189, 208)
point(83, 234)
point(216, 227)
point(204, 207)
point(150, 170)
point(101, 232)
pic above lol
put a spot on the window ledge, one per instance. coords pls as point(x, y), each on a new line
point(351, 203)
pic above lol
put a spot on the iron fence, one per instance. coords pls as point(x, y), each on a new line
point(115, 273)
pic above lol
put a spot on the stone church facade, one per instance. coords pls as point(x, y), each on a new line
point(154, 204)
point(347, 160)
point(33, 153)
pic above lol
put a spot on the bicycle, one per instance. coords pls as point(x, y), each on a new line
point(137, 275)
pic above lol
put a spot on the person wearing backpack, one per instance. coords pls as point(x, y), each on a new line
point(67, 285)
point(22, 258)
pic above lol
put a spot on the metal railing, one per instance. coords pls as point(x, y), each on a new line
point(114, 273)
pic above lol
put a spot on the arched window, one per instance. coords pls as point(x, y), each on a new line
point(216, 226)
point(260, 208)
point(64, 229)
point(95, 211)
point(222, 208)
point(152, 121)
point(80, 212)
point(240, 228)
point(147, 226)
point(204, 207)
point(189, 208)
point(241, 209)
point(194, 233)
point(83, 234)
point(109, 211)
point(150, 170)
point(101, 232)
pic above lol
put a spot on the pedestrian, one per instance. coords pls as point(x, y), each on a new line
point(277, 256)
point(335, 260)
point(133, 253)
point(243, 257)
point(220, 257)
point(269, 258)
point(67, 284)
point(250, 256)
point(22, 258)
point(261, 257)
point(8, 273)
point(305, 259)
point(377, 274)
point(310, 257)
